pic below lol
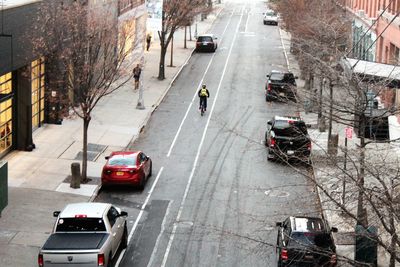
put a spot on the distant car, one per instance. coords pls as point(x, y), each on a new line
point(270, 17)
point(281, 86)
point(206, 42)
point(305, 241)
point(127, 167)
point(287, 138)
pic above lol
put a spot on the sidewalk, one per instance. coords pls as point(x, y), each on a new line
point(327, 175)
point(37, 179)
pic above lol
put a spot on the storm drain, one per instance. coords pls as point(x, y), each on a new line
point(94, 150)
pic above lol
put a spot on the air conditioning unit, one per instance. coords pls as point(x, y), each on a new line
point(361, 13)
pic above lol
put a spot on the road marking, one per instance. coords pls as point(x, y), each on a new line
point(247, 21)
point(140, 215)
point(178, 217)
point(195, 94)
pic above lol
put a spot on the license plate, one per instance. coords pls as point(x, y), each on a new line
point(290, 152)
point(282, 94)
point(205, 43)
point(120, 173)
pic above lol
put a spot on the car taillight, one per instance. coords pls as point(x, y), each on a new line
point(273, 142)
point(100, 260)
point(269, 87)
point(333, 260)
point(284, 254)
point(309, 146)
point(40, 260)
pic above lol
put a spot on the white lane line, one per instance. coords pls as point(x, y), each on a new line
point(247, 20)
point(195, 94)
point(153, 254)
point(140, 214)
point(284, 50)
point(178, 217)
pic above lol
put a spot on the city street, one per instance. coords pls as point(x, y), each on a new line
point(213, 198)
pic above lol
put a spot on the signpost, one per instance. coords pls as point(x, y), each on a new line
point(348, 132)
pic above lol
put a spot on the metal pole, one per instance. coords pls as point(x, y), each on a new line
point(140, 103)
point(345, 168)
point(195, 30)
point(172, 52)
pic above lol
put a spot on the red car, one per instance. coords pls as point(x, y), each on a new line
point(126, 167)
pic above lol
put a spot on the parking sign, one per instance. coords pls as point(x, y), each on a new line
point(348, 132)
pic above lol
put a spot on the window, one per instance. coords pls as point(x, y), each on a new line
point(112, 216)
point(80, 225)
point(6, 112)
point(122, 160)
point(38, 87)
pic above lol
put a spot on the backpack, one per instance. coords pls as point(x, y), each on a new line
point(203, 92)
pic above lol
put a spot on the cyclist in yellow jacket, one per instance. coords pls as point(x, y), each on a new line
point(203, 94)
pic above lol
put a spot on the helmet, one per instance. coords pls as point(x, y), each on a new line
point(203, 86)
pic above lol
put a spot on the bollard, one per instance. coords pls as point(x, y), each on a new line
point(75, 175)
point(333, 144)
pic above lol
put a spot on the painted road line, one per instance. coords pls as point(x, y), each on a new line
point(195, 95)
point(178, 217)
point(284, 50)
point(140, 214)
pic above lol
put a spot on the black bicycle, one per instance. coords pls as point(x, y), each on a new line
point(202, 108)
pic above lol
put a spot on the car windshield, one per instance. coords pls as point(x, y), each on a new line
point(204, 39)
point(80, 225)
point(290, 128)
point(122, 160)
point(283, 77)
point(270, 13)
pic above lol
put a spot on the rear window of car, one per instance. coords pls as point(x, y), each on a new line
point(270, 13)
point(204, 39)
point(290, 128)
point(276, 76)
point(283, 77)
point(80, 225)
point(122, 160)
point(320, 239)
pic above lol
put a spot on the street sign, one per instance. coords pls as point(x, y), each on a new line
point(348, 132)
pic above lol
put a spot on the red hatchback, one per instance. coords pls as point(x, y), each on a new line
point(126, 167)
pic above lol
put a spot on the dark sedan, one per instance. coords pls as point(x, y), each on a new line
point(206, 42)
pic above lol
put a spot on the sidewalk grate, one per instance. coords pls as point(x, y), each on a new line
point(93, 152)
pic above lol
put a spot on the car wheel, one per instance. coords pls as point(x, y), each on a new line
point(265, 23)
point(268, 98)
point(270, 157)
point(110, 262)
point(151, 169)
point(124, 241)
point(142, 182)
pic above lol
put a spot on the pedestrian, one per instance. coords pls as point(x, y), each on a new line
point(136, 75)
point(148, 41)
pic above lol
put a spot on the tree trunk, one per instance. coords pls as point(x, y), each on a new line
point(86, 121)
point(172, 52)
point(161, 69)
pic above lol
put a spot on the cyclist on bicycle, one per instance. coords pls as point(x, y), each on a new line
point(203, 94)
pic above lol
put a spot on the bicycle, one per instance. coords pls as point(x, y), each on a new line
point(202, 109)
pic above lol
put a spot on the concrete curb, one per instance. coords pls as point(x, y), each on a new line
point(155, 106)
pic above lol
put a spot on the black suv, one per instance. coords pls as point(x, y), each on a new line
point(305, 241)
point(280, 86)
point(287, 137)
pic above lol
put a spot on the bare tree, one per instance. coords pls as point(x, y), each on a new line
point(89, 56)
point(320, 34)
point(176, 14)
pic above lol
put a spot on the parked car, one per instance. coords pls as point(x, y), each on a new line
point(280, 86)
point(85, 234)
point(206, 42)
point(286, 138)
point(305, 241)
point(128, 168)
point(270, 17)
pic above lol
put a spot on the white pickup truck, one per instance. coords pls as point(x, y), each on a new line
point(85, 234)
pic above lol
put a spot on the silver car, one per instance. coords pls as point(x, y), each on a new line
point(85, 234)
point(271, 17)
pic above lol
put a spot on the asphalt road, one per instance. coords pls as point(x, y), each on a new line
point(213, 199)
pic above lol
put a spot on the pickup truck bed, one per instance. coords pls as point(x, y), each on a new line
point(75, 241)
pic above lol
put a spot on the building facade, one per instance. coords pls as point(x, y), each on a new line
point(27, 101)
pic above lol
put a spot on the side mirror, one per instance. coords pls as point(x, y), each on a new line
point(308, 125)
point(216, 38)
point(334, 230)
point(56, 213)
point(279, 224)
point(296, 77)
point(123, 213)
point(269, 122)
point(147, 157)
point(268, 76)
point(107, 157)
